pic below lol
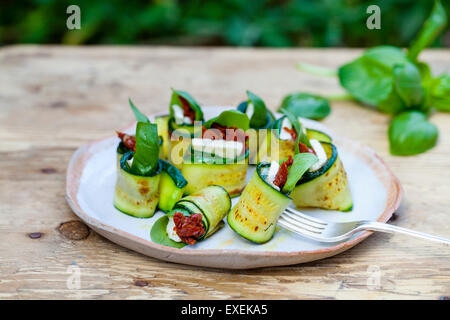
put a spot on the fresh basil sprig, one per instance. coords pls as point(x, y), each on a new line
point(395, 82)
point(411, 133)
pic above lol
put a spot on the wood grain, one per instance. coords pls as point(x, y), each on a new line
point(54, 99)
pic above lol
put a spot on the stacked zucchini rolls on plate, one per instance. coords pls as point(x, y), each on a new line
point(190, 169)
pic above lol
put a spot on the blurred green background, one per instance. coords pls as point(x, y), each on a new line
point(282, 23)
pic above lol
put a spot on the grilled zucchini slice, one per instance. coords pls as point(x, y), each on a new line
point(203, 172)
point(326, 188)
point(136, 195)
point(255, 215)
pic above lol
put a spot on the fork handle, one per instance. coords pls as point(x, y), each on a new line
point(384, 227)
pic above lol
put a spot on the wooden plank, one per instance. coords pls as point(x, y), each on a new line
point(54, 99)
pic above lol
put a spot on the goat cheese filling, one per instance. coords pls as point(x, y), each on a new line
point(222, 148)
point(178, 114)
point(171, 233)
point(320, 153)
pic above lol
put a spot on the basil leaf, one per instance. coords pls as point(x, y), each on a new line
point(387, 55)
point(301, 136)
point(367, 79)
point(158, 234)
point(230, 118)
point(140, 117)
point(306, 105)
point(302, 162)
point(146, 157)
point(393, 104)
point(408, 84)
point(411, 133)
point(434, 24)
point(259, 117)
point(440, 93)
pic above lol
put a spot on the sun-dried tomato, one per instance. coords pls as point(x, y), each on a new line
point(187, 110)
point(281, 177)
point(303, 148)
point(128, 141)
point(292, 132)
point(190, 228)
point(230, 133)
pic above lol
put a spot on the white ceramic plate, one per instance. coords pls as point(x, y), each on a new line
point(91, 178)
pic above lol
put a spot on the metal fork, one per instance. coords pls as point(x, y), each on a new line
point(326, 231)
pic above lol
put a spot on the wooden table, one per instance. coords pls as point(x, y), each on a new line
point(54, 99)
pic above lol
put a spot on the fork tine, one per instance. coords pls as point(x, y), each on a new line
point(300, 225)
point(289, 226)
point(304, 221)
point(304, 216)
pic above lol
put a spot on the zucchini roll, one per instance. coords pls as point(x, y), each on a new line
point(220, 156)
point(326, 186)
point(184, 111)
point(135, 194)
point(260, 118)
point(266, 196)
point(128, 142)
point(193, 218)
point(143, 179)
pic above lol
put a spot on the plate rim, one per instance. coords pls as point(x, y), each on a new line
point(81, 156)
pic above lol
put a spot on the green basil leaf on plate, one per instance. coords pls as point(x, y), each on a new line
point(158, 233)
point(230, 118)
point(306, 105)
point(302, 162)
point(146, 157)
point(434, 24)
point(140, 117)
point(259, 117)
point(411, 133)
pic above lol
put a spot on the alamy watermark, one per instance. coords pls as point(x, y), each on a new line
point(73, 281)
point(374, 277)
point(74, 20)
point(374, 20)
